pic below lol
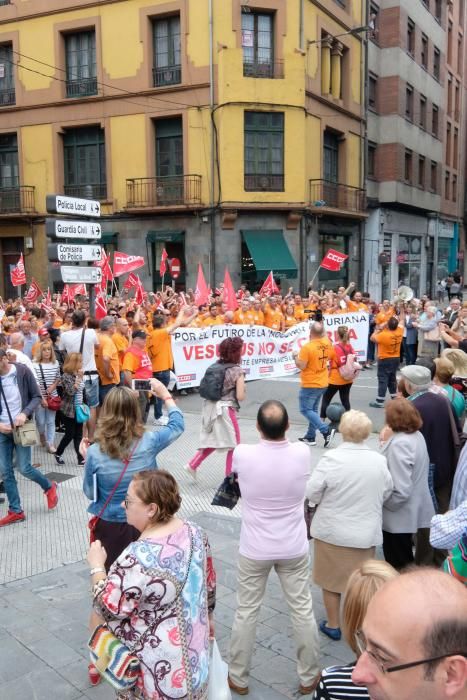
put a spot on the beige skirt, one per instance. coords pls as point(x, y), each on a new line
point(332, 565)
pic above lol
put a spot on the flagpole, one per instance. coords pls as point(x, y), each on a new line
point(315, 275)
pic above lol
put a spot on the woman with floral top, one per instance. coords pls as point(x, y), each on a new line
point(159, 595)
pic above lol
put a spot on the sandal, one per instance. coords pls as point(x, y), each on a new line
point(94, 675)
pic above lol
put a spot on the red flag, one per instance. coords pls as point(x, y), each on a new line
point(101, 304)
point(269, 286)
point(33, 293)
point(104, 264)
point(18, 273)
point(333, 260)
point(201, 291)
point(78, 289)
point(131, 282)
point(46, 304)
point(163, 265)
point(229, 297)
point(140, 293)
point(124, 263)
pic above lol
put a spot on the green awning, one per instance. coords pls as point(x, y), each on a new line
point(164, 236)
point(109, 238)
point(270, 251)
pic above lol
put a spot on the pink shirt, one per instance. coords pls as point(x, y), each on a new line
point(272, 478)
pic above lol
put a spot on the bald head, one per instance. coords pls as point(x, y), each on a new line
point(272, 420)
point(17, 341)
point(316, 330)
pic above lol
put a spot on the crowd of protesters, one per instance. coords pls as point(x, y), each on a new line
point(408, 494)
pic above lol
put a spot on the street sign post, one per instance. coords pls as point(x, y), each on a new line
point(67, 252)
point(76, 275)
point(174, 268)
point(60, 204)
point(86, 230)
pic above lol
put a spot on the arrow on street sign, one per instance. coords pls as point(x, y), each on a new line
point(75, 274)
point(59, 204)
point(59, 228)
point(74, 253)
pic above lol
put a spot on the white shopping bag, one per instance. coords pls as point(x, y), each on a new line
point(172, 382)
point(218, 686)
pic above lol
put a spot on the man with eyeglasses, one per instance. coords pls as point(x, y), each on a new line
point(413, 641)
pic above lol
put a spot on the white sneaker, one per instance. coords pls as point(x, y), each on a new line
point(191, 472)
point(163, 420)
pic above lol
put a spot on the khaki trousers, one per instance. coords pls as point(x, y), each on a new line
point(294, 577)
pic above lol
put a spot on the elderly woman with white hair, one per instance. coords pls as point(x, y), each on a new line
point(349, 486)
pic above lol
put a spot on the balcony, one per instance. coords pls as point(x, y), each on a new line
point(7, 97)
point(170, 75)
point(97, 191)
point(156, 192)
point(325, 194)
point(264, 183)
point(263, 69)
point(5, 2)
point(84, 87)
point(17, 200)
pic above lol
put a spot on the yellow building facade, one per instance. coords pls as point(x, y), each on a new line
point(229, 132)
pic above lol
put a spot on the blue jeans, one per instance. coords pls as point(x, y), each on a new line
point(164, 377)
point(23, 465)
point(308, 402)
point(45, 420)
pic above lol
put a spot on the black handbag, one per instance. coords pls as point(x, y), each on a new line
point(228, 493)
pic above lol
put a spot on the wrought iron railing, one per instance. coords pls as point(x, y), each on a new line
point(83, 87)
point(91, 191)
point(263, 69)
point(5, 2)
point(163, 191)
point(170, 75)
point(324, 193)
point(7, 97)
point(17, 199)
point(264, 183)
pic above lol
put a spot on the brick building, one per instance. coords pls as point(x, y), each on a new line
point(415, 158)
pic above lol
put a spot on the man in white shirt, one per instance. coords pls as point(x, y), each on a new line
point(84, 340)
point(272, 476)
point(16, 351)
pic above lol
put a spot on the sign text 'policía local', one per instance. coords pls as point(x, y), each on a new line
point(59, 204)
point(73, 229)
point(67, 252)
point(75, 274)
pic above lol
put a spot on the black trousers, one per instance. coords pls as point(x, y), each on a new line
point(73, 432)
point(397, 548)
point(331, 391)
point(387, 371)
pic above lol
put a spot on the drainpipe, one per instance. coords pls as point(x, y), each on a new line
point(212, 270)
point(364, 136)
point(301, 32)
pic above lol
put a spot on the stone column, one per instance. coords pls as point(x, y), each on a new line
point(336, 69)
point(326, 65)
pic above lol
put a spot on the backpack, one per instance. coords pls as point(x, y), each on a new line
point(212, 384)
point(350, 369)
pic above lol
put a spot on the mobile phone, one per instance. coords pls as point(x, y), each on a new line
point(141, 384)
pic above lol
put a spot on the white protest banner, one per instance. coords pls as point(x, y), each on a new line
point(266, 353)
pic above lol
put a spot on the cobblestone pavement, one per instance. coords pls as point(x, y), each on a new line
point(44, 591)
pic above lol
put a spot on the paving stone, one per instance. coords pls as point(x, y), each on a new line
point(40, 685)
point(53, 651)
point(16, 661)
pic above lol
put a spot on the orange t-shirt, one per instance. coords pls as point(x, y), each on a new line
point(299, 312)
point(273, 318)
point(108, 350)
point(339, 359)
point(290, 321)
point(383, 316)
point(137, 362)
point(160, 350)
point(121, 343)
point(356, 306)
point(245, 317)
point(389, 343)
point(316, 354)
point(258, 317)
point(210, 321)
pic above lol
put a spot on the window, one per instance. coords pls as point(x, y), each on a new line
point(447, 180)
point(409, 102)
point(434, 176)
point(264, 151)
point(457, 102)
point(421, 172)
point(461, 11)
point(439, 10)
point(408, 166)
point(455, 148)
point(460, 51)
point(7, 84)
point(371, 165)
point(449, 110)
point(448, 144)
point(167, 69)
point(410, 37)
point(372, 86)
point(454, 188)
point(258, 45)
point(423, 111)
point(81, 76)
point(424, 54)
point(373, 22)
point(436, 63)
point(331, 156)
point(450, 43)
point(9, 173)
point(169, 161)
point(5, 2)
point(84, 157)
point(435, 121)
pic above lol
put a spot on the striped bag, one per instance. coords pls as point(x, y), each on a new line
point(114, 661)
